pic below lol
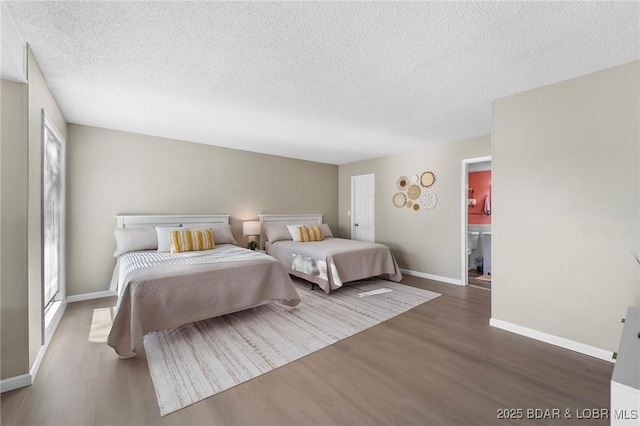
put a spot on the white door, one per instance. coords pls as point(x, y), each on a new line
point(363, 208)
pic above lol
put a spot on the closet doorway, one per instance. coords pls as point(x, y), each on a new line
point(475, 222)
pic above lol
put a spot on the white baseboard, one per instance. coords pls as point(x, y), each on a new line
point(431, 277)
point(89, 296)
point(36, 362)
point(16, 382)
point(23, 380)
point(553, 340)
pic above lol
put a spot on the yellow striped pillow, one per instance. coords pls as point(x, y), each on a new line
point(312, 233)
point(191, 240)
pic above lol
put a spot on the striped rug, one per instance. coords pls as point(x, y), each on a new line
point(196, 361)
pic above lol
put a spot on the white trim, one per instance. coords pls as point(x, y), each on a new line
point(48, 335)
point(553, 340)
point(52, 127)
point(89, 296)
point(623, 387)
point(431, 277)
point(36, 362)
point(53, 325)
point(15, 382)
point(48, 125)
point(464, 259)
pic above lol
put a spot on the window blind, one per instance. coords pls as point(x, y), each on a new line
point(52, 213)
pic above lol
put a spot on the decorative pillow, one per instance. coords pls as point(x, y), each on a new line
point(277, 233)
point(191, 240)
point(304, 234)
point(164, 245)
point(312, 233)
point(221, 233)
point(326, 231)
point(134, 239)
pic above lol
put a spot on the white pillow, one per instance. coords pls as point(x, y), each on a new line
point(164, 245)
point(326, 231)
point(277, 233)
point(293, 231)
point(222, 235)
point(134, 239)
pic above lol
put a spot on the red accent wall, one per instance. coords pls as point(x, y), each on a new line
point(480, 182)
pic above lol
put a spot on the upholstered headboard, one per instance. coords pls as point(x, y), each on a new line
point(286, 219)
point(145, 221)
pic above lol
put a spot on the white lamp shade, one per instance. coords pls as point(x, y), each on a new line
point(251, 228)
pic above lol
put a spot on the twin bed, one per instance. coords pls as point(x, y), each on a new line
point(160, 290)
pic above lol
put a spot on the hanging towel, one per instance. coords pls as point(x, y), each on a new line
point(486, 206)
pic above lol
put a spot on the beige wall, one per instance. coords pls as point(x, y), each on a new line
point(426, 241)
point(14, 332)
point(111, 172)
point(566, 176)
point(40, 98)
point(22, 107)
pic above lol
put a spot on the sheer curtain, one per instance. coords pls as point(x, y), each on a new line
point(52, 214)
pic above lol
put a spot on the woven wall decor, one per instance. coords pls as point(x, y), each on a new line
point(427, 179)
point(399, 199)
point(413, 192)
point(416, 191)
point(402, 183)
point(429, 199)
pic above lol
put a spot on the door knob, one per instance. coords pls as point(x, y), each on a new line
point(356, 224)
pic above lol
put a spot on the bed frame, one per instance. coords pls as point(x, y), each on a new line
point(149, 221)
point(286, 219)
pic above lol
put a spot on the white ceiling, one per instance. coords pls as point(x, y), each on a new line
point(334, 82)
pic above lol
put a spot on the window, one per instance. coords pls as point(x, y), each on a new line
point(52, 218)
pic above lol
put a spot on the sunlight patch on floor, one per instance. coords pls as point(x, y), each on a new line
point(100, 325)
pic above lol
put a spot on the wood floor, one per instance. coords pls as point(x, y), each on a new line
point(438, 364)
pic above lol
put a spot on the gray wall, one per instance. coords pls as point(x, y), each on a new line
point(426, 241)
point(111, 172)
point(566, 180)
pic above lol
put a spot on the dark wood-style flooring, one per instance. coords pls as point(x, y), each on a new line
point(438, 364)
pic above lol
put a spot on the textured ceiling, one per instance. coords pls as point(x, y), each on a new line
point(333, 82)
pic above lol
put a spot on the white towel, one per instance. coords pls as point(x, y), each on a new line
point(486, 206)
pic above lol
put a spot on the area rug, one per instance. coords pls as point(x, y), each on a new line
point(485, 278)
point(199, 360)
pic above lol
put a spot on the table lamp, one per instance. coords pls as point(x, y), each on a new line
point(251, 229)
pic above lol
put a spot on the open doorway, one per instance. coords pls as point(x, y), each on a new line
point(475, 228)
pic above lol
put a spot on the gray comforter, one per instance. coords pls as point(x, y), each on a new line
point(161, 291)
point(335, 261)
